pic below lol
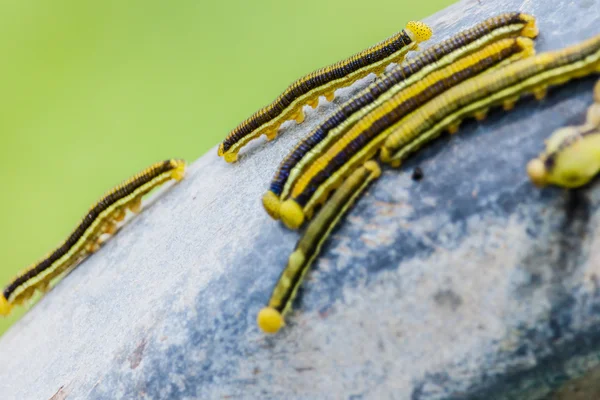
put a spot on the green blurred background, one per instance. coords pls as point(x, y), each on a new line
point(92, 92)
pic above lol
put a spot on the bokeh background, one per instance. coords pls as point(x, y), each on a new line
point(93, 91)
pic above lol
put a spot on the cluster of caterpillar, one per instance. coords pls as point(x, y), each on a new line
point(396, 118)
point(492, 64)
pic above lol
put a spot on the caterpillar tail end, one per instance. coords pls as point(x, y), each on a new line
point(530, 30)
point(230, 156)
point(179, 170)
point(537, 172)
point(272, 204)
point(420, 31)
point(527, 45)
point(373, 168)
point(385, 155)
point(5, 306)
point(269, 320)
point(291, 214)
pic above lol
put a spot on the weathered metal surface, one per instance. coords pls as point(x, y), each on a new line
point(469, 284)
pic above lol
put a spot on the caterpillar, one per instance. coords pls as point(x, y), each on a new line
point(322, 82)
point(85, 239)
point(361, 142)
point(399, 77)
point(476, 96)
point(271, 318)
point(572, 155)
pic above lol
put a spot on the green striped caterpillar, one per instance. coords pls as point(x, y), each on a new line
point(572, 155)
point(271, 318)
point(85, 239)
point(323, 82)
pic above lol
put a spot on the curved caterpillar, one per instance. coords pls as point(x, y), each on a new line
point(271, 318)
point(572, 155)
point(364, 139)
point(86, 238)
point(322, 82)
point(399, 77)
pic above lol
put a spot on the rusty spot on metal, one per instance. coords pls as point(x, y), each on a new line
point(61, 394)
point(138, 354)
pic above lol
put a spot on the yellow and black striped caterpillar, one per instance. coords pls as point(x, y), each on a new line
point(85, 239)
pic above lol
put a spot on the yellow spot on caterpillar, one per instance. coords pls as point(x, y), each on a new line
point(299, 117)
point(270, 320)
point(509, 104)
point(271, 133)
point(285, 282)
point(109, 227)
point(396, 163)
point(480, 115)
point(540, 93)
point(231, 156)
point(420, 30)
point(272, 204)
point(313, 103)
point(385, 155)
point(119, 215)
point(220, 152)
point(537, 172)
point(374, 168)
point(92, 247)
point(296, 261)
point(453, 128)
point(136, 205)
point(291, 214)
point(329, 96)
point(5, 306)
point(43, 287)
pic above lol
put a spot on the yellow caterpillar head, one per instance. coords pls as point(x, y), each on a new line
point(536, 169)
point(178, 169)
point(419, 31)
point(291, 214)
point(269, 320)
point(530, 30)
point(5, 306)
